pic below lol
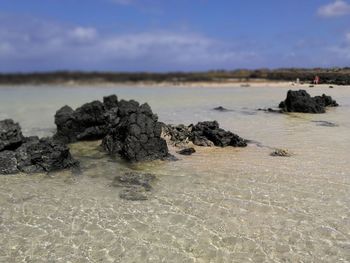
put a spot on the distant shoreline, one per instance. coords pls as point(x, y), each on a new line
point(336, 76)
point(235, 84)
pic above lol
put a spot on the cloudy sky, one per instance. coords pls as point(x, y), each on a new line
point(172, 35)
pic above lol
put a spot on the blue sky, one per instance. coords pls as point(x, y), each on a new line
point(172, 35)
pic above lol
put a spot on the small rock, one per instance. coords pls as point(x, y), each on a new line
point(187, 151)
point(325, 123)
point(281, 153)
point(220, 108)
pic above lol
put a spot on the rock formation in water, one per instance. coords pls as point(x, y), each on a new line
point(30, 154)
point(135, 186)
point(10, 135)
point(179, 135)
point(135, 133)
point(301, 101)
point(88, 122)
point(206, 134)
point(126, 127)
point(221, 108)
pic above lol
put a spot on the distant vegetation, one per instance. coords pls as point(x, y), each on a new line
point(340, 76)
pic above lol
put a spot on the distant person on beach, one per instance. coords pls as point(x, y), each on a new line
point(317, 80)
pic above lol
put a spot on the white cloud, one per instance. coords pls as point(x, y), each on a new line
point(335, 9)
point(50, 46)
point(83, 33)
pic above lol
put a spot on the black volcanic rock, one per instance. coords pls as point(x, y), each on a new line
point(8, 162)
point(221, 108)
point(187, 151)
point(126, 127)
point(31, 154)
point(205, 134)
point(43, 155)
point(10, 135)
point(179, 134)
point(211, 131)
point(88, 122)
point(301, 101)
point(136, 133)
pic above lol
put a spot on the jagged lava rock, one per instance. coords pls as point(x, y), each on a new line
point(179, 134)
point(10, 135)
point(31, 154)
point(43, 155)
point(210, 131)
point(88, 122)
point(205, 134)
point(8, 162)
point(136, 133)
point(301, 101)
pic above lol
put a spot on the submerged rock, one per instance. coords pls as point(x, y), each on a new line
point(187, 151)
point(271, 110)
point(301, 101)
point(205, 134)
point(10, 135)
point(132, 179)
point(31, 154)
point(135, 185)
point(325, 123)
point(220, 108)
point(134, 194)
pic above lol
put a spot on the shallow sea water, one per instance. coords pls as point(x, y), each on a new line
point(219, 205)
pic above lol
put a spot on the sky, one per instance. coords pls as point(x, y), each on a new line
point(172, 35)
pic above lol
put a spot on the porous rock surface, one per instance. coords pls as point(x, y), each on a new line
point(135, 133)
point(88, 122)
point(126, 127)
point(30, 154)
point(205, 134)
